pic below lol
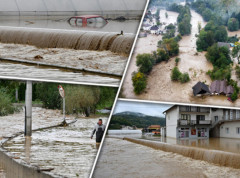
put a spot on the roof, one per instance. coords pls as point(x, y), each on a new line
point(169, 108)
point(146, 25)
point(87, 16)
point(200, 88)
point(154, 28)
point(221, 87)
point(223, 44)
point(154, 126)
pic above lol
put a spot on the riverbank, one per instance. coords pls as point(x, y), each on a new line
point(120, 158)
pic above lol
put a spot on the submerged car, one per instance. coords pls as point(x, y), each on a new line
point(95, 21)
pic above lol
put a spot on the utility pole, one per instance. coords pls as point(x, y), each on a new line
point(28, 109)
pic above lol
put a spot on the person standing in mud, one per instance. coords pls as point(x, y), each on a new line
point(99, 129)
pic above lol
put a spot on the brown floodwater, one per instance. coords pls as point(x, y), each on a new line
point(13, 70)
point(69, 150)
point(161, 88)
point(120, 158)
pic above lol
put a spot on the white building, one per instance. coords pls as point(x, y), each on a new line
point(146, 27)
point(202, 122)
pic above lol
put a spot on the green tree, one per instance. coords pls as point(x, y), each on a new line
point(161, 55)
point(81, 98)
point(170, 46)
point(139, 82)
point(176, 74)
point(145, 62)
point(233, 24)
point(6, 106)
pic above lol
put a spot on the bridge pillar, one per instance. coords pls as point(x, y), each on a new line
point(28, 109)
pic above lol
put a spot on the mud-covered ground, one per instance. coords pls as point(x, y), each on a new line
point(120, 158)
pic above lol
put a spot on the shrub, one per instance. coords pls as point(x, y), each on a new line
point(184, 78)
point(177, 60)
point(145, 62)
point(139, 82)
point(176, 74)
point(6, 106)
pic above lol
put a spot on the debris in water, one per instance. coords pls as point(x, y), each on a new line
point(38, 57)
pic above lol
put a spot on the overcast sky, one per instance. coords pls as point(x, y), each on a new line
point(151, 109)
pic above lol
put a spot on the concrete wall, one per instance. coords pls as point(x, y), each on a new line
point(232, 127)
point(13, 169)
point(107, 8)
point(171, 122)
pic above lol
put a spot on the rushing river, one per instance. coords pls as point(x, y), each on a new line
point(120, 158)
point(69, 150)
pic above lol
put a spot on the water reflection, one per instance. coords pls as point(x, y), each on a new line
point(128, 26)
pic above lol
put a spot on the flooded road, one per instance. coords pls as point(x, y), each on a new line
point(53, 74)
point(120, 158)
point(69, 150)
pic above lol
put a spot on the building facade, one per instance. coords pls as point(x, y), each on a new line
point(202, 122)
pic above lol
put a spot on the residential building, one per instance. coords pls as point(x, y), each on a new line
point(202, 122)
point(154, 30)
point(200, 89)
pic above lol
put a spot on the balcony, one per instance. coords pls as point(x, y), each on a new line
point(182, 122)
point(194, 109)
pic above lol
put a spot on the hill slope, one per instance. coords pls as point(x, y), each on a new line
point(133, 118)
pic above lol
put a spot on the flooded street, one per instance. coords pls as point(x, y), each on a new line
point(53, 74)
point(69, 150)
point(120, 158)
point(160, 87)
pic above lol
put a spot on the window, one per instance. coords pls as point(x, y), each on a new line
point(237, 114)
point(79, 21)
point(231, 114)
point(188, 108)
point(215, 118)
point(226, 115)
point(185, 116)
point(201, 117)
point(227, 130)
point(198, 109)
point(238, 130)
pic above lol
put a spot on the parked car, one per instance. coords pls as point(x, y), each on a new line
point(95, 21)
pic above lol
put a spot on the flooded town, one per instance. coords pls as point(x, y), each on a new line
point(148, 139)
point(193, 62)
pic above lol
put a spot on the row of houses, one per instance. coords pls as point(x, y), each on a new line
point(202, 122)
point(217, 87)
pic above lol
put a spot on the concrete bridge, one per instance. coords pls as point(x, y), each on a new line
point(107, 8)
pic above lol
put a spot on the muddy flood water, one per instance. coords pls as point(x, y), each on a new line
point(68, 150)
point(106, 61)
point(160, 87)
point(120, 158)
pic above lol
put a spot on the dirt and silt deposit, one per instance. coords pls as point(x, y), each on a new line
point(99, 52)
point(120, 158)
point(160, 87)
point(69, 151)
